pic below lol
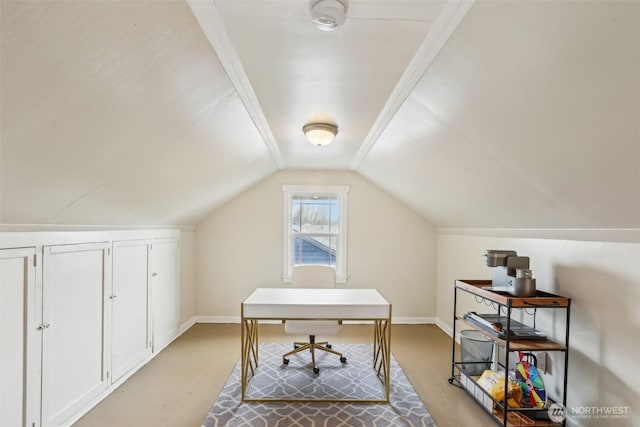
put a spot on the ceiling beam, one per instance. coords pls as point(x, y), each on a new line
point(452, 14)
point(214, 29)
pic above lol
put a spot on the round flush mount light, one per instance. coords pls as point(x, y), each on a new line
point(328, 14)
point(320, 133)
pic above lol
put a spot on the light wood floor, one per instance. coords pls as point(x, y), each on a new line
point(178, 387)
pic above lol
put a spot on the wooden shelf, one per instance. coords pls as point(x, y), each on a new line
point(542, 299)
point(519, 419)
point(519, 345)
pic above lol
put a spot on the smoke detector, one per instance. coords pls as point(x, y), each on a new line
point(328, 14)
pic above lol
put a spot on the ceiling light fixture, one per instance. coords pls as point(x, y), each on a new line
point(320, 133)
point(328, 14)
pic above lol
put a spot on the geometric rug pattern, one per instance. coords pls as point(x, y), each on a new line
point(354, 379)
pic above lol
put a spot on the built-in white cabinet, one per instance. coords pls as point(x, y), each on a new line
point(130, 298)
point(144, 300)
point(79, 313)
point(74, 340)
point(165, 293)
point(19, 344)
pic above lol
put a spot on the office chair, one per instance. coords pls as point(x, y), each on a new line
point(312, 276)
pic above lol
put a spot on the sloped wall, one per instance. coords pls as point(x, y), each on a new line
point(391, 248)
point(118, 114)
point(603, 281)
point(528, 117)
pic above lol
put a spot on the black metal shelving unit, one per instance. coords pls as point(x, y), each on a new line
point(499, 409)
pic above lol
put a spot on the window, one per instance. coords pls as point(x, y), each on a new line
point(315, 228)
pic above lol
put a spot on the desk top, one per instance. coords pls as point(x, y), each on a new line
point(306, 303)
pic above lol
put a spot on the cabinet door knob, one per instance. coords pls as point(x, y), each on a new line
point(154, 274)
point(113, 296)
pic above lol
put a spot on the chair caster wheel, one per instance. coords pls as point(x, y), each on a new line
point(295, 347)
point(316, 370)
point(285, 361)
point(450, 380)
point(343, 360)
point(328, 345)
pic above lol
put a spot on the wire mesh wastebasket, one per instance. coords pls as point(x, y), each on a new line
point(476, 351)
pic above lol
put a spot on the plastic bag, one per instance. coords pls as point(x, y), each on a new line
point(493, 383)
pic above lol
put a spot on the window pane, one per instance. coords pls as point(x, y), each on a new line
point(314, 250)
point(296, 212)
point(335, 215)
point(315, 214)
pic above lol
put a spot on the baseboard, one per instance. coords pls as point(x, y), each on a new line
point(235, 319)
point(217, 319)
point(445, 328)
point(186, 325)
point(414, 320)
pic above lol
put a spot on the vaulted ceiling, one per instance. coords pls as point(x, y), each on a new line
point(476, 114)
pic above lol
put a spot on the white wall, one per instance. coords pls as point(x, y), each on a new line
point(391, 248)
point(187, 277)
point(603, 280)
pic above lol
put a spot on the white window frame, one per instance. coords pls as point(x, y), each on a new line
point(341, 192)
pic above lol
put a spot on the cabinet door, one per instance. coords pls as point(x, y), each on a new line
point(130, 306)
point(19, 345)
point(74, 338)
point(165, 292)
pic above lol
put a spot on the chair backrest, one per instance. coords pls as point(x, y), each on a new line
point(313, 276)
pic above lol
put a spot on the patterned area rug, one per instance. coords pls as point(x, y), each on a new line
point(355, 379)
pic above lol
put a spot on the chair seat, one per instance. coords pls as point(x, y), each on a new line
point(311, 327)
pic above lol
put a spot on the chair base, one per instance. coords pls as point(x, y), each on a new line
point(312, 346)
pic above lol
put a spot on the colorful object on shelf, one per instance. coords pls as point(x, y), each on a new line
point(533, 392)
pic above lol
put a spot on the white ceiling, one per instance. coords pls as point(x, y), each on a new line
point(486, 114)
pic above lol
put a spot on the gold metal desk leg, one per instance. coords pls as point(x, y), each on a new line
point(249, 351)
point(382, 351)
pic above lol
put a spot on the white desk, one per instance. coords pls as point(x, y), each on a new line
point(316, 304)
